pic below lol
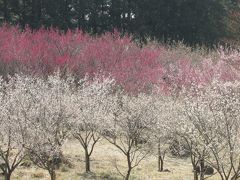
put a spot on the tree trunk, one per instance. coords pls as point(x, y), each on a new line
point(129, 167)
point(195, 175)
point(160, 159)
point(160, 163)
point(24, 14)
point(39, 12)
point(202, 170)
point(235, 177)
point(87, 161)
point(7, 175)
point(128, 174)
point(52, 175)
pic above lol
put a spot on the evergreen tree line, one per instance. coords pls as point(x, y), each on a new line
point(191, 21)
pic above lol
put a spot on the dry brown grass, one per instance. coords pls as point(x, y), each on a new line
point(102, 163)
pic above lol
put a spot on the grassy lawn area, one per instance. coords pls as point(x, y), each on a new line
point(103, 163)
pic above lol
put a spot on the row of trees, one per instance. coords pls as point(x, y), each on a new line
point(204, 22)
point(135, 69)
point(39, 114)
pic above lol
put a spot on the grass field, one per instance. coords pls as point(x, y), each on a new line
point(103, 160)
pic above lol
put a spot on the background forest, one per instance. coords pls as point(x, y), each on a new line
point(194, 22)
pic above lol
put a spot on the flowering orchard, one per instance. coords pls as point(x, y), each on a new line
point(149, 101)
point(134, 68)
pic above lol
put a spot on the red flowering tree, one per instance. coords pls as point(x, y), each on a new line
point(134, 68)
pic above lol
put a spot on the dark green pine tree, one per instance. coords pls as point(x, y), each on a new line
point(80, 14)
point(4, 11)
point(116, 14)
point(58, 13)
point(188, 20)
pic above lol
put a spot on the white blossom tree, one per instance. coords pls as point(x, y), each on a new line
point(129, 128)
point(12, 127)
point(48, 118)
point(91, 111)
point(214, 112)
point(165, 116)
